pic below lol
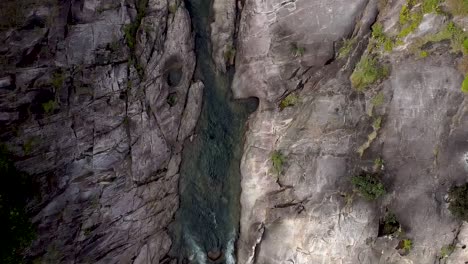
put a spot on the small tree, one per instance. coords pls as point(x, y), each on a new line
point(368, 185)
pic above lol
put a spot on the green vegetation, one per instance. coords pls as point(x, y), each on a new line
point(429, 6)
point(130, 31)
point(367, 72)
point(458, 201)
point(458, 7)
point(348, 45)
point(378, 99)
point(452, 32)
point(230, 55)
point(411, 14)
point(130, 35)
point(16, 228)
point(423, 54)
point(464, 87)
point(389, 225)
point(49, 107)
point(290, 100)
point(446, 251)
point(368, 185)
point(406, 245)
point(297, 51)
point(380, 39)
point(171, 99)
point(278, 160)
point(378, 163)
point(57, 79)
point(409, 21)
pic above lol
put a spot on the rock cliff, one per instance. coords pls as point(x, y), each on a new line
point(96, 98)
point(297, 58)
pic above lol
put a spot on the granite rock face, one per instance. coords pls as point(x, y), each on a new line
point(309, 213)
point(92, 98)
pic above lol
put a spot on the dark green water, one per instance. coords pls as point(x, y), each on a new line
point(208, 217)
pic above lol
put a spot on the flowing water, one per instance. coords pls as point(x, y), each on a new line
point(207, 222)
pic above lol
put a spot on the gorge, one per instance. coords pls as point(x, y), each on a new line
point(248, 132)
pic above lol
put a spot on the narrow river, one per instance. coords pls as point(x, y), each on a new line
point(206, 225)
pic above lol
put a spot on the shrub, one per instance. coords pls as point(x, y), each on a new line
point(446, 251)
point(406, 244)
point(429, 6)
point(277, 159)
point(458, 198)
point(367, 72)
point(389, 225)
point(464, 87)
point(368, 185)
point(288, 101)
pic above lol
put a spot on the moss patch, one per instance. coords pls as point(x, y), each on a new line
point(288, 101)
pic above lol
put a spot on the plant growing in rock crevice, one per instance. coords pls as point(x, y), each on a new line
point(368, 71)
point(348, 45)
point(404, 246)
point(368, 185)
point(277, 159)
point(389, 225)
point(446, 251)
point(464, 87)
point(289, 100)
point(296, 50)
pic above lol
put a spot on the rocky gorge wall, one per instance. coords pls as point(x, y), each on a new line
point(96, 99)
point(409, 124)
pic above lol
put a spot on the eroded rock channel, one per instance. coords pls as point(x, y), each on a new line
point(206, 225)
